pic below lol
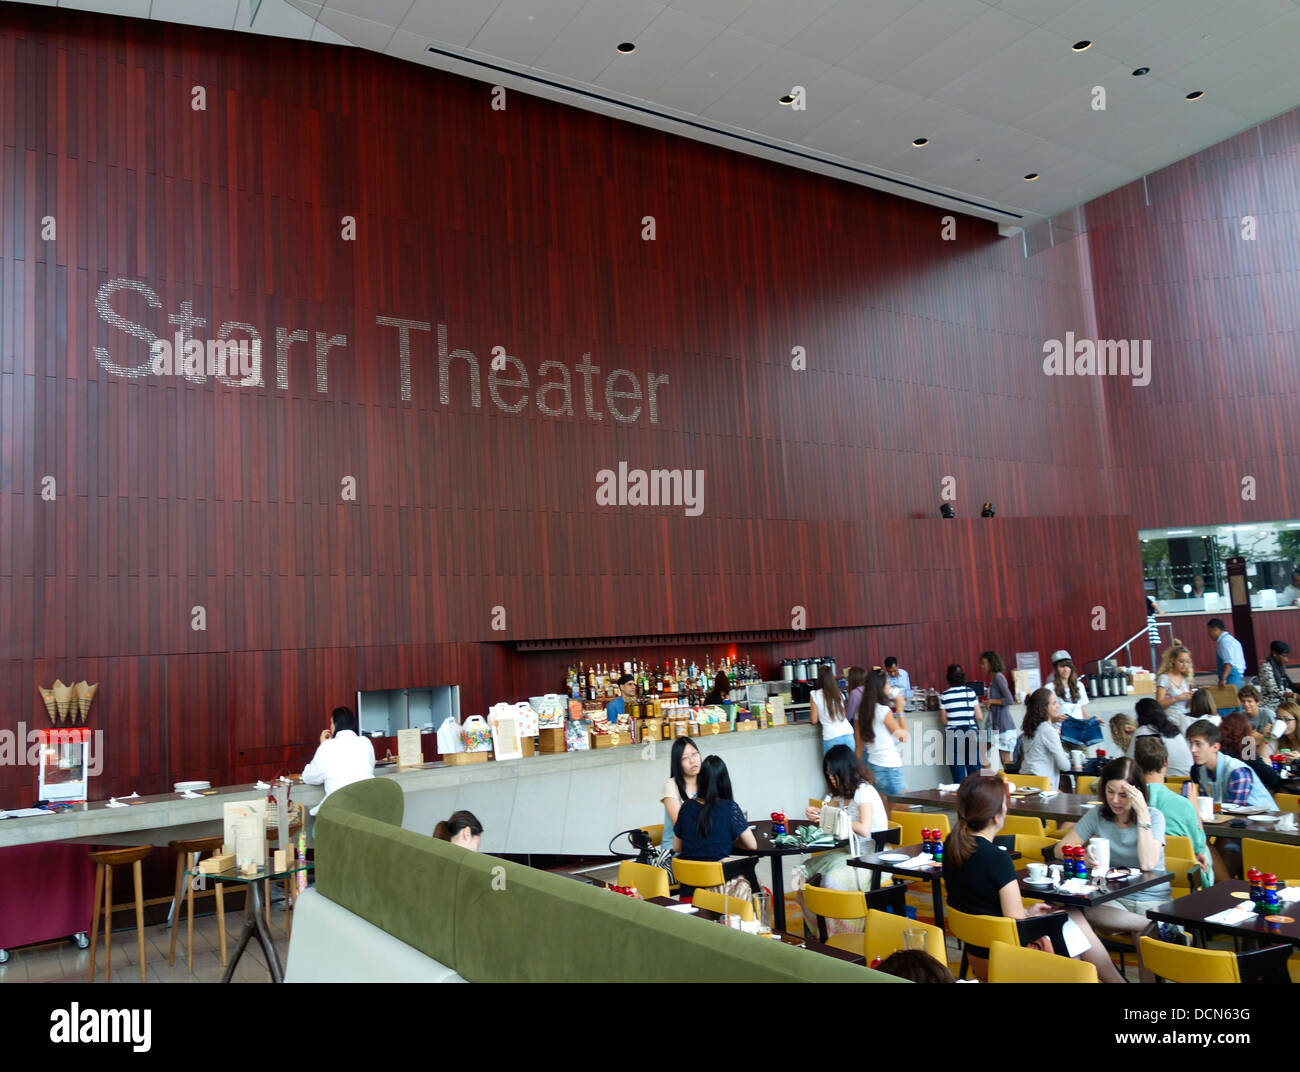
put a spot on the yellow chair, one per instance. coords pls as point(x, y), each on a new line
point(1031, 848)
point(838, 904)
point(885, 936)
point(648, 881)
point(1287, 801)
point(1175, 783)
point(911, 823)
point(1187, 964)
point(1028, 781)
point(713, 902)
point(1177, 845)
point(1015, 964)
point(1085, 785)
point(1280, 860)
point(979, 931)
point(1027, 825)
point(698, 873)
point(656, 833)
point(1187, 873)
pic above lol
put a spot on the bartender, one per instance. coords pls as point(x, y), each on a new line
point(617, 707)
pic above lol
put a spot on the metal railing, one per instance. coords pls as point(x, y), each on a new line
point(1144, 632)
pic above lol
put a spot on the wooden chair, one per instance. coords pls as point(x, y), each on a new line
point(1224, 696)
point(884, 935)
point(188, 851)
point(910, 824)
point(1015, 964)
point(1027, 825)
point(648, 881)
point(713, 902)
point(699, 874)
point(104, 862)
point(1187, 964)
point(290, 885)
point(985, 930)
point(1271, 857)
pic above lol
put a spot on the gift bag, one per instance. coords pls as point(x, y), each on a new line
point(475, 734)
point(449, 740)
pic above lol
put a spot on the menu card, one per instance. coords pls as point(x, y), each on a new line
point(410, 753)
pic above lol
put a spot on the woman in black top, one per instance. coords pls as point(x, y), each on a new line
point(981, 878)
point(721, 690)
point(711, 822)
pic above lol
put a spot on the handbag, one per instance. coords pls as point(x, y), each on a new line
point(835, 821)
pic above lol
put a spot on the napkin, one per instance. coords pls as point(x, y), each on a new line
point(919, 860)
point(949, 788)
point(1289, 894)
point(113, 802)
point(1234, 916)
point(1076, 885)
point(1047, 794)
point(259, 784)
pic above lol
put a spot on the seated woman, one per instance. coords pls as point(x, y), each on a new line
point(981, 878)
point(1153, 721)
point(849, 786)
point(1122, 728)
point(683, 774)
point(461, 829)
point(1043, 755)
point(1078, 728)
point(1136, 833)
point(1288, 745)
point(710, 823)
point(1202, 706)
point(916, 966)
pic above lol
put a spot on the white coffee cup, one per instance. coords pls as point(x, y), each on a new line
point(1038, 872)
point(1078, 758)
point(1098, 853)
point(1205, 806)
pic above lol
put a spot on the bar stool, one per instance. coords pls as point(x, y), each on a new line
point(290, 881)
point(104, 862)
point(187, 850)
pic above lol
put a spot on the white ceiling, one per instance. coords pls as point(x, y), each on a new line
point(992, 83)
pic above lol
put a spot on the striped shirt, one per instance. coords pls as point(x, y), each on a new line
point(959, 704)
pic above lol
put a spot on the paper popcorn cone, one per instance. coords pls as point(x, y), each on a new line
point(63, 700)
point(85, 697)
point(47, 697)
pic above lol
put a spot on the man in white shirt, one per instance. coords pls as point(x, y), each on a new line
point(896, 677)
point(1290, 596)
point(342, 758)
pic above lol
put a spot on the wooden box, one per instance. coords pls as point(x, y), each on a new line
point(551, 741)
point(460, 759)
point(214, 865)
point(610, 740)
point(652, 729)
point(529, 746)
point(1144, 685)
point(748, 724)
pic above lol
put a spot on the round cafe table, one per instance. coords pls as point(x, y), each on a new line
point(767, 847)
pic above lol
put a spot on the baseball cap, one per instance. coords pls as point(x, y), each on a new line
point(626, 679)
point(1061, 656)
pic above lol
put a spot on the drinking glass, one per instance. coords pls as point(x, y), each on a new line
point(763, 912)
point(914, 938)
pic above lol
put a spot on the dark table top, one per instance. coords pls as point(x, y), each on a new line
point(786, 939)
point(1190, 912)
point(1105, 891)
point(1064, 807)
point(872, 862)
point(767, 847)
point(1220, 827)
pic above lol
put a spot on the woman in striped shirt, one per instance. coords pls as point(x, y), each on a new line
point(960, 710)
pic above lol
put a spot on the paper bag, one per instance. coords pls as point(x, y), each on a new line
point(449, 737)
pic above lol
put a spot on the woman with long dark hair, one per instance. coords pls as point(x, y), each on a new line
point(855, 678)
point(1274, 683)
point(683, 772)
point(1044, 755)
point(1201, 707)
point(461, 829)
point(1135, 833)
point(829, 711)
point(1153, 721)
point(1077, 726)
point(721, 691)
point(981, 879)
point(998, 698)
point(881, 729)
point(711, 822)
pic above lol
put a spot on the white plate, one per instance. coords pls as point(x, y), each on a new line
point(1091, 804)
point(190, 787)
point(1037, 881)
point(1265, 818)
point(1240, 809)
point(682, 908)
point(893, 857)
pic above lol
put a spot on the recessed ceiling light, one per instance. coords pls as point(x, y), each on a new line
point(627, 47)
point(787, 99)
point(1081, 46)
point(1141, 71)
point(1196, 94)
point(918, 142)
point(1031, 176)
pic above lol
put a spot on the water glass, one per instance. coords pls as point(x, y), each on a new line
point(763, 912)
point(915, 938)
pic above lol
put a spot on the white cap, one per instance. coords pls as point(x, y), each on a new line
point(1057, 656)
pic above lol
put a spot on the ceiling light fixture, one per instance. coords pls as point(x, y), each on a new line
point(1196, 94)
point(1081, 46)
point(627, 47)
point(1032, 176)
point(1141, 71)
point(918, 142)
point(786, 101)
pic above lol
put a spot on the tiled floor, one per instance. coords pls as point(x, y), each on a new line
point(64, 962)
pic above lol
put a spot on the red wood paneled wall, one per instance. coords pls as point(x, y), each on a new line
point(521, 229)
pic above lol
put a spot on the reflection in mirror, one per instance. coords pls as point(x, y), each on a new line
point(1184, 573)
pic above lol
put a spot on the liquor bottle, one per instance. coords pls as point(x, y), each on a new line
point(668, 677)
point(658, 681)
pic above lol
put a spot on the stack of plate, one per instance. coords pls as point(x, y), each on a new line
point(191, 787)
